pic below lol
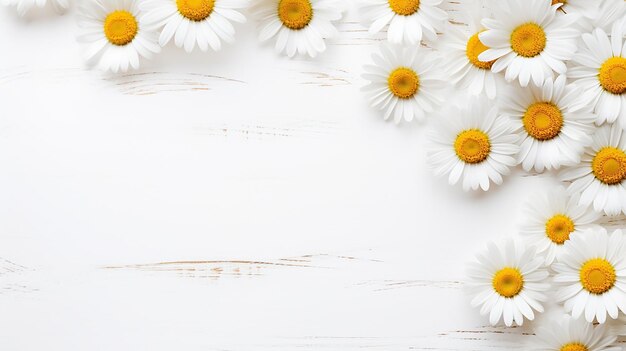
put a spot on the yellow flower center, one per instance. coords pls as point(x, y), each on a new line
point(554, 2)
point(404, 7)
point(528, 40)
point(609, 165)
point(472, 146)
point(597, 276)
point(474, 48)
point(195, 10)
point(574, 346)
point(543, 120)
point(508, 282)
point(120, 27)
point(403, 82)
point(613, 75)
point(295, 14)
point(558, 228)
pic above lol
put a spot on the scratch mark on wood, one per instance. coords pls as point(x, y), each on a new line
point(216, 269)
point(383, 285)
point(311, 129)
point(11, 274)
point(150, 83)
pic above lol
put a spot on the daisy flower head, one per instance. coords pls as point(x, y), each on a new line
point(474, 143)
point(114, 35)
point(409, 21)
point(404, 82)
point(600, 69)
point(553, 121)
point(551, 218)
point(528, 40)
point(600, 177)
point(591, 274)
point(568, 334)
point(23, 6)
point(604, 14)
point(300, 26)
point(508, 283)
point(461, 48)
point(205, 23)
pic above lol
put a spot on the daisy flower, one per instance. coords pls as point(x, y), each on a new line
point(203, 22)
point(300, 26)
point(528, 39)
point(600, 69)
point(568, 334)
point(600, 177)
point(552, 217)
point(404, 82)
point(23, 6)
point(554, 123)
point(507, 283)
point(409, 20)
point(461, 48)
point(603, 14)
point(113, 34)
point(473, 143)
point(591, 272)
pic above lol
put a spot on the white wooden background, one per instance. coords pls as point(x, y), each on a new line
point(236, 200)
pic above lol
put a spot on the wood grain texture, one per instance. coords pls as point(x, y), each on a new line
point(236, 200)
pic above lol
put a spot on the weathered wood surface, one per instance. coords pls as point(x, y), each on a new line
point(228, 201)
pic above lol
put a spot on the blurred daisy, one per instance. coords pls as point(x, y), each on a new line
point(508, 283)
point(461, 48)
point(528, 40)
point(113, 35)
point(603, 14)
point(473, 143)
point(404, 82)
point(205, 23)
point(553, 121)
point(568, 334)
point(23, 6)
point(552, 217)
point(600, 177)
point(300, 26)
point(409, 20)
point(592, 274)
point(600, 69)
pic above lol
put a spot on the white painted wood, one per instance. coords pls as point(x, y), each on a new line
point(236, 200)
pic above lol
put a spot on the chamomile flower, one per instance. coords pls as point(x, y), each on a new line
point(461, 48)
point(409, 20)
point(300, 26)
point(474, 143)
point(604, 13)
point(404, 82)
point(205, 23)
point(552, 217)
point(600, 177)
point(568, 334)
point(528, 40)
point(553, 121)
point(114, 35)
point(591, 272)
point(600, 69)
point(508, 283)
point(23, 6)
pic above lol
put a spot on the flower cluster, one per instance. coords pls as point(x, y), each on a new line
point(540, 85)
point(118, 33)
